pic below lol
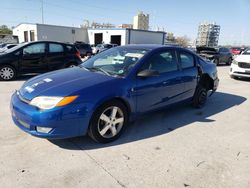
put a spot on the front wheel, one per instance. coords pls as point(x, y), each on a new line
point(108, 122)
point(200, 97)
point(7, 73)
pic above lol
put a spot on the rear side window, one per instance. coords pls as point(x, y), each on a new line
point(35, 49)
point(55, 48)
point(186, 60)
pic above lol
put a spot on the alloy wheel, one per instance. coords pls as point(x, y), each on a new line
point(110, 122)
point(6, 73)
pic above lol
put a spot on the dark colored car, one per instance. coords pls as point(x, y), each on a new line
point(84, 49)
point(101, 96)
point(102, 47)
point(37, 57)
point(222, 55)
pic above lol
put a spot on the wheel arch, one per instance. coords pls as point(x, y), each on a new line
point(206, 81)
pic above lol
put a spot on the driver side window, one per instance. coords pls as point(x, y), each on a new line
point(35, 49)
point(162, 62)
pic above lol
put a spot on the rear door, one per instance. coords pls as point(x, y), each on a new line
point(33, 58)
point(159, 91)
point(56, 56)
point(189, 71)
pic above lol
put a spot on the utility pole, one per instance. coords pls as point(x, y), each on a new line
point(42, 11)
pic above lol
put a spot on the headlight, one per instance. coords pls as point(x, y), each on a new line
point(235, 62)
point(45, 103)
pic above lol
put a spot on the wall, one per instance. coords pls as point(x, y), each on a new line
point(145, 37)
point(107, 35)
point(19, 31)
point(61, 33)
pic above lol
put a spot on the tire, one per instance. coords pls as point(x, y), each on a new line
point(200, 97)
point(7, 73)
point(103, 128)
point(229, 61)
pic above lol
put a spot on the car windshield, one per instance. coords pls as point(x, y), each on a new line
point(115, 61)
point(246, 52)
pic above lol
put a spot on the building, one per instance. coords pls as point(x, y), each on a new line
point(27, 32)
point(130, 26)
point(141, 21)
point(208, 34)
point(123, 36)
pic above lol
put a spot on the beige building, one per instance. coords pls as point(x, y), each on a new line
point(141, 21)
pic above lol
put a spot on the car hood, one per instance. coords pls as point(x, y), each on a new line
point(61, 83)
point(243, 58)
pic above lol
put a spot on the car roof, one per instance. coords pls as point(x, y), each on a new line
point(152, 46)
point(40, 41)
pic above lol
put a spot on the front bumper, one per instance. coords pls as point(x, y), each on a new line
point(68, 121)
point(235, 70)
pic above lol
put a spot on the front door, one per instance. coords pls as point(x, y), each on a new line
point(33, 58)
point(159, 91)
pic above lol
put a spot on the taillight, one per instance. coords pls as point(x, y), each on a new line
point(78, 54)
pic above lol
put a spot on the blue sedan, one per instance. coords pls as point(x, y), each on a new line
point(102, 95)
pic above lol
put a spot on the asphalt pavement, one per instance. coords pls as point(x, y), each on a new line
point(178, 147)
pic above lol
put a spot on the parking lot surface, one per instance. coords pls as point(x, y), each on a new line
point(178, 147)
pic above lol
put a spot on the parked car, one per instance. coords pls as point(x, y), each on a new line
point(102, 47)
point(6, 47)
point(85, 49)
point(37, 57)
point(100, 97)
point(222, 55)
point(240, 66)
point(237, 50)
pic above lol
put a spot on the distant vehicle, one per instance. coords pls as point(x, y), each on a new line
point(84, 49)
point(99, 98)
point(37, 57)
point(6, 47)
point(222, 55)
point(240, 66)
point(237, 50)
point(102, 47)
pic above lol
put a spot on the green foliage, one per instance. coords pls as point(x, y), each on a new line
point(5, 30)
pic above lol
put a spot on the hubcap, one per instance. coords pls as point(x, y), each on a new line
point(6, 73)
point(110, 122)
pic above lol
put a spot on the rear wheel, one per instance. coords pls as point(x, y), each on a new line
point(108, 122)
point(200, 97)
point(7, 73)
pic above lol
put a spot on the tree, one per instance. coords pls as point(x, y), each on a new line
point(182, 41)
point(5, 30)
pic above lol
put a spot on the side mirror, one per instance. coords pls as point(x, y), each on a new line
point(147, 73)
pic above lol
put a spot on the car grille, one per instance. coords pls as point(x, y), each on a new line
point(244, 65)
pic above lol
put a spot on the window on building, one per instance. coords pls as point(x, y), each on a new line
point(32, 35)
point(25, 36)
point(55, 48)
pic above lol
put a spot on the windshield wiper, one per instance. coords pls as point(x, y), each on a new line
point(97, 69)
